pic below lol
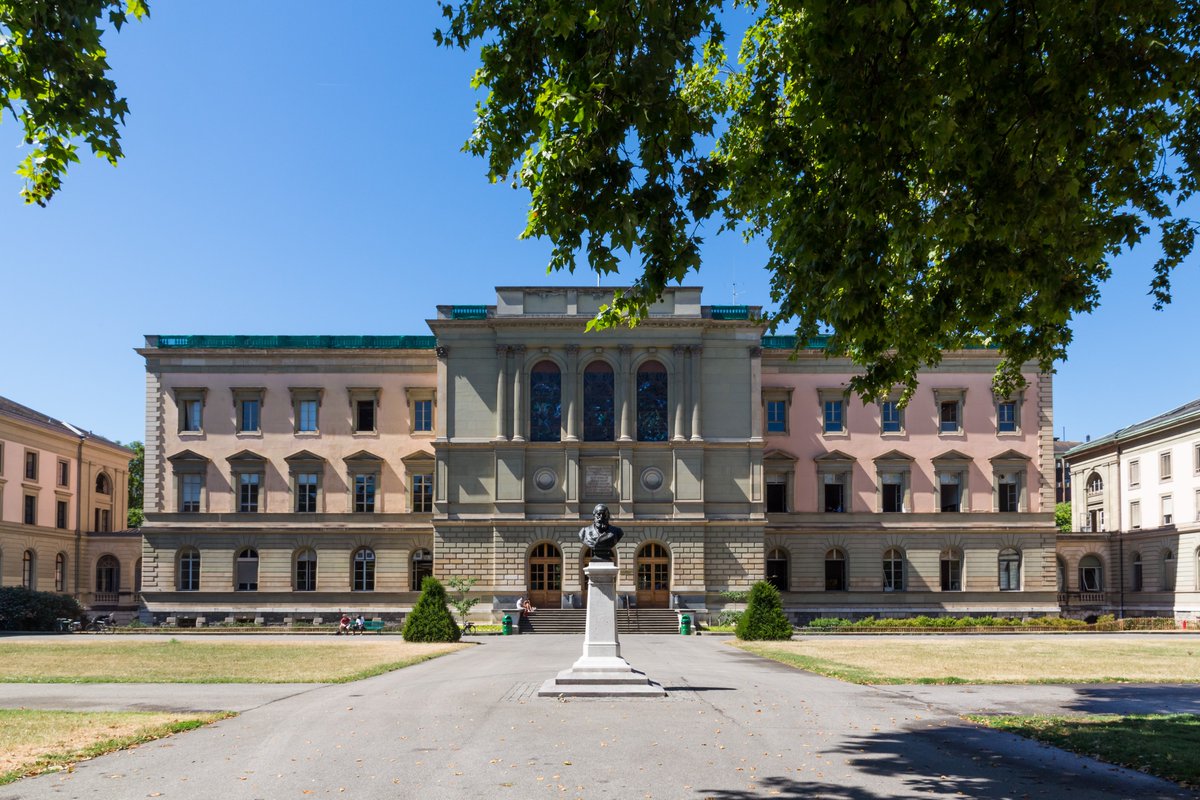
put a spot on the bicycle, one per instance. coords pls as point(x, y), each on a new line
point(101, 624)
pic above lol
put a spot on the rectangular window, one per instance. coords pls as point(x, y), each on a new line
point(60, 515)
point(1009, 493)
point(949, 416)
point(248, 416)
point(193, 415)
point(893, 495)
point(1135, 515)
point(31, 465)
point(833, 416)
point(1197, 517)
point(1195, 459)
point(64, 474)
point(1168, 510)
point(102, 520)
point(364, 416)
point(1164, 465)
point(423, 415)
point(891, 416)
point(949, 484)
point(364, 494)
point(189, 501)
point(307, 416)
point(248, 483)
point(777, 494)
point(834, 496)
point(776, 416)
point(422, 488)
point(30, 509)
point(1135, 472)
point(951, 574)
point(306, 493)
point(1006, 416)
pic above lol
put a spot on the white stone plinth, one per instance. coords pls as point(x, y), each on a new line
point(600, 671)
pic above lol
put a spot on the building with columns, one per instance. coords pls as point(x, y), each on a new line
point(296, 477)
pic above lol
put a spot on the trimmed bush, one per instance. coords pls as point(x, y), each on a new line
point(430, 620)
point(23, 609)
point(764, 617)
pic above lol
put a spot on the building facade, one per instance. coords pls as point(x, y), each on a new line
point(1136, 508)
point(296, 477)
point(63, 510)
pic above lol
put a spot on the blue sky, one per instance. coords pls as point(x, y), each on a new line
point(296, 169)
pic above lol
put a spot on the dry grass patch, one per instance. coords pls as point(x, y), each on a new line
point(173, 661)
point(972, 659)
point(33, 742)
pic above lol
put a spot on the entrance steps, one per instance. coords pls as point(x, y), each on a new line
point(573, 620)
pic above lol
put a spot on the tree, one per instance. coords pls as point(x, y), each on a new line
point(54, 81)
point(1062, 517)
point(430, 620)
point(462, 604)
point(928, 174)
point(764, 617)
point(137, 470)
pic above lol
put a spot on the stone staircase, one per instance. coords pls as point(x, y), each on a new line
point(573, 620)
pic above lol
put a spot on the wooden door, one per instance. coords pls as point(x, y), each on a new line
point(545, 576)
point(653, 577)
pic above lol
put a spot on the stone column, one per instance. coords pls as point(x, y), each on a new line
point(696, 358)
point(502, 393)
point(677, 392)
point(625, 389)
point(519, 410)
point(571, 392)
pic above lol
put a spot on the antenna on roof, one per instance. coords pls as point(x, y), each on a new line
point(735, 293)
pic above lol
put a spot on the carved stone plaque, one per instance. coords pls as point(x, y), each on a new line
point(598, 480)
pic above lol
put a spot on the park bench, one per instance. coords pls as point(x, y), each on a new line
point(375, 625)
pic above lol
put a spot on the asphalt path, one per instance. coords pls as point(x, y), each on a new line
point(732, 726)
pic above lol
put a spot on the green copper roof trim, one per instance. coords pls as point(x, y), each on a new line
point(730, 312)
point(297, 342)
point(468, 312)
point(789, 343)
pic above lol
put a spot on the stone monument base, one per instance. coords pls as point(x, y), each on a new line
point(600, 671)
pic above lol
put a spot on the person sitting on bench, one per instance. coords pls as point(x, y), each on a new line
point(527, 608)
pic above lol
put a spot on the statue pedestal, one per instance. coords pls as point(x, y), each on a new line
point(600, 671)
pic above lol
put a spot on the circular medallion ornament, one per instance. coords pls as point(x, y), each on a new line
point(652, 478)
point(545, 479)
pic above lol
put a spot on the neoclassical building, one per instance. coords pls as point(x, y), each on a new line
point(63, 511)
point(295, 477)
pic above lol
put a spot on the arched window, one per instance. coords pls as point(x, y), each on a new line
point(103, 484)
point(60, 572)
point(545, 402)
point(108, 579)
point(545, 576)
point(1168, 573)
point(29, 569)
point(777, 569)
point(835, 571)
point(247, 570)
point(1095, 483)
point(1139, 575)
point(188, 574)
point(652, 402)
point(598, 415)
point(1010, 570)
point(363, 578)
point(893, 570)
point(422, 568)
point(305, 579)
point(951, 561)
point(1091, 574)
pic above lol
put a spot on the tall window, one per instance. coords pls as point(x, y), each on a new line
point(1168, 510)
point(545, 402)
point(652, 402)
point(247, 570)
point(892, 490)
point(306, 412)
point(598, 415)
point(1091, 574)
point(190, 490)
point(188, 577)
point(60, 514)
point(422, 489)
point(951, 571)
point(60, 572)
point(306, 571)
point(103, 484)
point(1164, 465)
point(950, 491)
point(192, 420)
point(777, 569)
point(891, 416)
point(103, 520)
point(363, 577)
point(1135, 514)
point(29, 569)
point(893, 570)
point(833, 492)
point(364, 415)
point(30, 509)
point(108, 576)
point(422, 568)
point(1008, 491)
point(777, 416)
point(1139, 582)
point(423, 415)
point(1135, 472)
point(1010, 570)
point(248, 483)
point(364, 494)
point(835, 571)
point(64, 474)
point(777, 494)
point(249, 415)
point(1006, 416)
point(31, 465)
point(306, 492)
point(834, 416)
point(1168, 571)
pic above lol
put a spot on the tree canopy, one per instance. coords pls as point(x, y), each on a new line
point(928, 174)
point(54, 82)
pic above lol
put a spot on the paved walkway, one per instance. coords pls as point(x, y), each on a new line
point(733, 726)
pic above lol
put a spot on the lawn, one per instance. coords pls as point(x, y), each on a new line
point(998, 659)
point(1164, 745)
point(33, 742)
point(173, 661)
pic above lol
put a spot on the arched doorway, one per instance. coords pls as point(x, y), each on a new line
point(108, 579)
point(653, 576)
point(545, 576)
point(584, 559)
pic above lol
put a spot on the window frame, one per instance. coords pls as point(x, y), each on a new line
point(309, 583)
point(899, 411)
point(306, 463)
point(1135, 472)
point(894, 463)
point(29, 510)
point(29, 565)
point(241, 396)
point(242, 465)
point(891, 557)
point(32, 466)
point(1169, 567)
point(64, 474)
point(1005, 560)
point(189, 580)
point(60, 572)
point(1135, 515)
point(417, 576)
point(187, 398)
point(1166, 508)
point(948, 578)
point(645, 403)
point(364, 464)
point(62, 513)
point(835, 469)
point(422, 491)
point(364, 394)
point(1165, 469)
point(1138, 576)
point(943, 397)
point(837, 555)
point(781, 399)
point(1098, 570)
point(364, 582)
point(415, 396)
point(302, 395)
point(1015, 401)
point(785, 582)
point(1014, 465)
point(246, 555)
point(958, 466)
point(835, 421)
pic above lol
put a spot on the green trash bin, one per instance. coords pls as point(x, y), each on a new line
point(685, 625)
point(506, 625)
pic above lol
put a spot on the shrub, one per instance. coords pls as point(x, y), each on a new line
point(764, 617)
point(829, 623)
point(430, 620)
point(23, 609)
point(728, 619)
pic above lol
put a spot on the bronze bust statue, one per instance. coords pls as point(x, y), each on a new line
point(600, 536)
